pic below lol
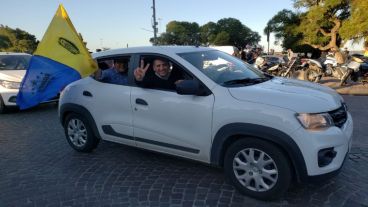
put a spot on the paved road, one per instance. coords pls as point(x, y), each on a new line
point(38, 168)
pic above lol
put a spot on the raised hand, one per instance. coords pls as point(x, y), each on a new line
point(140, 72)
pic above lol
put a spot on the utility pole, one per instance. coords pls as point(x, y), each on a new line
point(154, 23)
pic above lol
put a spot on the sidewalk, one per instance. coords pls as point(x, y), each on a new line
point(351, 88)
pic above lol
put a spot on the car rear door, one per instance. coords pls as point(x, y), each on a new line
point(112, 108)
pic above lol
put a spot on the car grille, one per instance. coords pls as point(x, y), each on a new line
point(339, 116)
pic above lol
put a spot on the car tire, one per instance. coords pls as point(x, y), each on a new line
point(266, 180)
point(79, 134)
point(2, 106)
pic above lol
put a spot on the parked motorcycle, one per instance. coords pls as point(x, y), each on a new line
point(283, 70)
point(316, 70)
point(362, 74)
point(313, 69)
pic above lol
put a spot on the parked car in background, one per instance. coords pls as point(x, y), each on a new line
point(272, 60)
point(12, 70)
point(265, 131)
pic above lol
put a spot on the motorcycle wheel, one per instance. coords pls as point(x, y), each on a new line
point(345, 77)
point(312, 75)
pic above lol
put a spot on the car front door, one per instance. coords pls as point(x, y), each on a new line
point(167, 122)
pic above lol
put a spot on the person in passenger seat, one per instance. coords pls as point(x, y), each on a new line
point(115, 75)
point(162, 77)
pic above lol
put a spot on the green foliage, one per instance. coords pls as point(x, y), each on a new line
point(283, 25)
point(16, 40)
point(179, 33)
point(321, 24)
point(222, 38)
point(356, 26)
point(239, 34)
point(227, 31)
point(324, 24)
point(306, 3)
point(208, 33)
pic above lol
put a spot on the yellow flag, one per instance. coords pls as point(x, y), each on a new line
point(62, 43)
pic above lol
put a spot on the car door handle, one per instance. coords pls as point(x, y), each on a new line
point(87, 93)
point(141, 102)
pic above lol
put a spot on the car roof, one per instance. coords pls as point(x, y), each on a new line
point(151, 49)
point(14, 53)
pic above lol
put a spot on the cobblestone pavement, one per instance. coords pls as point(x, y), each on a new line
point(38, 168)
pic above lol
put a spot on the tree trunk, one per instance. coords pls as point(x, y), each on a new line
point(332, 34)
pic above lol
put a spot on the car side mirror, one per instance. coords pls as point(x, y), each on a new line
point(191, 87)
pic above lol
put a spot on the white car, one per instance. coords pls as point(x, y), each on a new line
point(12, 70)
point(264, 131)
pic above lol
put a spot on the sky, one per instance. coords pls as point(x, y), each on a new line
point(122, 23)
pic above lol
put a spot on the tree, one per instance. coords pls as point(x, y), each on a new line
point(356, 26)
point(227, 31)
point(239, 34)
point(16, 40)
point(4, 42)
point(208, 33)
point(324, 24)
point(179, 33)
point(284, 25)
point(321, 23)
point(222, 38)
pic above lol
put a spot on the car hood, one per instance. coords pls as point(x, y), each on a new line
point(296, 95)
point(12, 75)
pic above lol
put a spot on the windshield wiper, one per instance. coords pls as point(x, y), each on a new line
point(246, 81)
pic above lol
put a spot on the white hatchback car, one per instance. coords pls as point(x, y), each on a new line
point(12, 70)
point(263, 130)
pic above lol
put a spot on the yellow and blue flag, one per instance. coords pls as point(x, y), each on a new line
point(60, 58)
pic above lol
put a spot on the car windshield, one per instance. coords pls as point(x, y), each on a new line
point(14, 62)
point(225, 69)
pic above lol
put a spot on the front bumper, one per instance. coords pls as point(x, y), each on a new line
point(9, 96)
point(311, 142)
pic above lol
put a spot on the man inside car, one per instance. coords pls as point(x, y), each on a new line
point(163, 76)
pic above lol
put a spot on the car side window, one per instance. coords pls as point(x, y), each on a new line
point(113, 70)
point(156, 72)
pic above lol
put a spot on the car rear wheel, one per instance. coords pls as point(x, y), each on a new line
point(79, 133)
point(257, 168)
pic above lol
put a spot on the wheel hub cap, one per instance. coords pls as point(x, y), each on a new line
point(77, 132)
point(255, 169)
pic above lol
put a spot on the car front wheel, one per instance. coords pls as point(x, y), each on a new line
point(79, 134)
point(2, 106)
point(257, 168)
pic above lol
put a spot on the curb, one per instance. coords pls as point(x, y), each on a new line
point(352, 88)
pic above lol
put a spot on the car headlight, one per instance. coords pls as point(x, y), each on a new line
point(10, 84)
point(315, 121)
